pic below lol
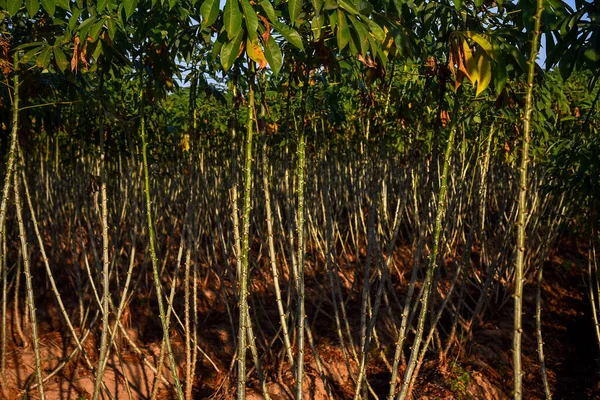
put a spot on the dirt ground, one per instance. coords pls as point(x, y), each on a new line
point(480, 369)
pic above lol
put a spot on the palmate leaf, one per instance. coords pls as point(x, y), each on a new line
point(376, 30)
point(232, 18)
point(74, 19)
point(43, 59)
point(218, 45)
point(343, 30)
point(317, 5)
point(231, 51)
point(64, 4)
point(12, 6)
point(102, 5)
point(363, 34)
point(129, 6)
point(61, 59)
point(317, 25)
point(210, 12)
point(250, 18)
point(273, 55)
point(33, 6)
point(484, 69)
point(517, 55)
point(289, 34)
point(111, 27)
point(348, 6)
point(49, 6)
point(255, 52)
point(96, 29)
point(470, 63)
point(500, 76)
point(294, 8)
point(482, 41)
point(269, 10)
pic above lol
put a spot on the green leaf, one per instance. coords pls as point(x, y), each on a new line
point(33, 6)
point(376, 30)
point(74, 19)
point(273, 55)
point(458, 4)
point(294, 8)
point(289, 34)
point(13, 6)
point(346, 5)
point(352, 43)
point(64, 4)
point(332, 20)
point(30, 55)
point(317, 5)
point(111, 27)
point(40, 45)
point(49, 6)
point(96, 29)
point(251, 19)
point(518, 56)
point(330, 5)
point(231, 51)
point(317, 25)
point(61, 59)
point(43, 59)
point(210, 12)
point(567, 62)
point(363, 34)
point(343, 30)
point(499, 75)
point(129, 6)
point(85, 27)
point(97, 50)
point(102, 5)
point(232, 18)
point(592, 55)
point(364, 7)
point(218, 45)
point(269, 10)
point(478, 3)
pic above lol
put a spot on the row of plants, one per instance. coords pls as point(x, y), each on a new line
point(328, 131)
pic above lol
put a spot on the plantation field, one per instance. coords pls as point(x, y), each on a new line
point(290, 199)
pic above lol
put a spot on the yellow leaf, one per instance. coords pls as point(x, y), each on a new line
point(470, 63)
point(484, 68)
point(389, 47)
point(255, 52)
point(184, 144)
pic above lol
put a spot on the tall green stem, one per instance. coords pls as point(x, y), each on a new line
point(155, 270)
point(7, 179)
point(104, 345)
point(437, 233)
point(29, 286)
point(301, 160)
point(13, 142)
point(244, 319)
point(522, 217)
